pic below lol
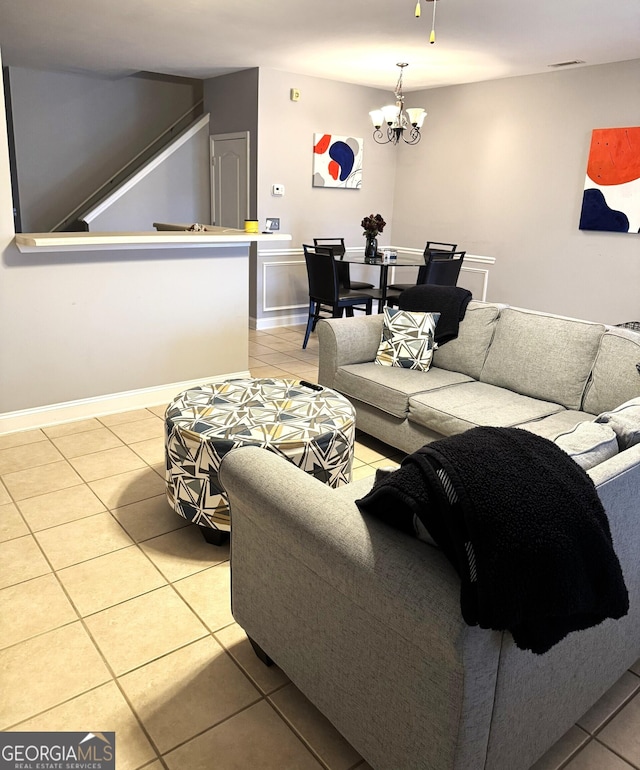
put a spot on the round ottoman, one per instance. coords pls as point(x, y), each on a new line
point(312, 426)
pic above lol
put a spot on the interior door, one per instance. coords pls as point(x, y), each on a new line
point(230, 179)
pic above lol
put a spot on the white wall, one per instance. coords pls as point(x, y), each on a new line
point(500, 170)
point(73, 132)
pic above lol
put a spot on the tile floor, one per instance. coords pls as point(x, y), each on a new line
point(115, 613)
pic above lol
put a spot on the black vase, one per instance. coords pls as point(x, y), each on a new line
point(371, 248)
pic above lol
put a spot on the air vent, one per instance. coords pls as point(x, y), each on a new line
point(566, 63)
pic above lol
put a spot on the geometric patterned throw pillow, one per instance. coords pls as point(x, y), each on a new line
point(407, 339)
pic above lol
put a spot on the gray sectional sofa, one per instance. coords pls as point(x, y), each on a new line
point(366, 620)
point(508, 367)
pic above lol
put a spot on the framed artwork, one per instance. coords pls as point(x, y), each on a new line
point(337, 161)
point(611, 198)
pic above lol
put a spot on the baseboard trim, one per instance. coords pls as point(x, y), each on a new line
point(293, 319)
point(54, 414)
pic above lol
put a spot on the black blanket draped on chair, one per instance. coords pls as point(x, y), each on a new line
point(450, 301)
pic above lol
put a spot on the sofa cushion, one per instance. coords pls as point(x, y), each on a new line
point(472, 404)
point(625, 421)
point(614, 378)
point(407, 339)
point(543, 356)
point(589, 443)
point(555, 424)
point(388, 388)
point(468, 351)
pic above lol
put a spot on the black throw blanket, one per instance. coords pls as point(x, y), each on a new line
point(450, 301)
point(522, 524)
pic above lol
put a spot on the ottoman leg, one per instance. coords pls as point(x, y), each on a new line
point(260, 652)
point(214, 536)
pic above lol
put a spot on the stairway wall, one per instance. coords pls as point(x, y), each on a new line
point(73, 132)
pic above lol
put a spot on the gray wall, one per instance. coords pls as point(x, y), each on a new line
point(285, 149)
point(73, 132)
point(232, 101)
point(177, 190)
point(500, 170)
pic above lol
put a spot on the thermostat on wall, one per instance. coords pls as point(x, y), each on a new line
point(277, 189)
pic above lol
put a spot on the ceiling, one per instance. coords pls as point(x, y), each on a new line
point(356, 41)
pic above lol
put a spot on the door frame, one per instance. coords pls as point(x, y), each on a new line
point(234, 135)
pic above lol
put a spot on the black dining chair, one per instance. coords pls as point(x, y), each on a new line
point(444, 270)
point(325, 293)
point(338, 248)
point(438, 248)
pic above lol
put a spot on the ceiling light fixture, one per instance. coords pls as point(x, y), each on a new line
point(397, 120)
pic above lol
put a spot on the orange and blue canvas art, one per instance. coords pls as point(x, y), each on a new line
point(611, 198)
point(337, 161)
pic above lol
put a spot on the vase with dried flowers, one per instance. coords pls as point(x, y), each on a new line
point(372, 226)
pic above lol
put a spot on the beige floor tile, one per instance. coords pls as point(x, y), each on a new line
point(142, 629)
point(109, 462)
point(208, 593)
point(61, 664)
point(370, 454)
point(256, 349)
point(39, 481)
point(149, 518)
point(595, 756)
point(83, 539)
point(315, 729)
point(184, 693)
point(21, 437)
point(102, 709)
point(159, 410)
point(86, 443)
point(5, 497)
point(277, 359)
point(611, 701)
point(183, 552)
point(255, 738)
point(151, 450)
point(622, 734)
point(20, 560)
point(54, 508)
point(67, 428)
point(268, 371)
point(110, 579)
point(129, 487)
point(266, 678)
point(119, 418)
point(302, 369)
point(28, 456)
point(386, 463)
point(32, 608)
point(362, 472)
point(282, 346)
point(140, 430)
point(11, 523)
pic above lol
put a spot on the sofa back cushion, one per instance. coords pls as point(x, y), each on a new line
point(467, 353)
point(544, 356)
point(615, 377)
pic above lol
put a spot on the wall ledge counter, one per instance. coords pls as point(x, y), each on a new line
point(216, 237)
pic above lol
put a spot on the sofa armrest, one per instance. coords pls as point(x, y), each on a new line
point(362, 618)
point(346, 341)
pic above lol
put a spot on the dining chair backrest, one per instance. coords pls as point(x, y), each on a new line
point(438, 248)
point(444, 269)
point(322, 274)
point(337, 244)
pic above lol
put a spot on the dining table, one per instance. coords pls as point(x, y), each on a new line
point(384, 261)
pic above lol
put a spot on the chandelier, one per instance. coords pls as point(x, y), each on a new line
point(398, 122)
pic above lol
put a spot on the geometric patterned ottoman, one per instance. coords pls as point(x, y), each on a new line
point(312, 426)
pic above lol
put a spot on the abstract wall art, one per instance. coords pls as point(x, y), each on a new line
point(611, 198)
point(337, 161)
